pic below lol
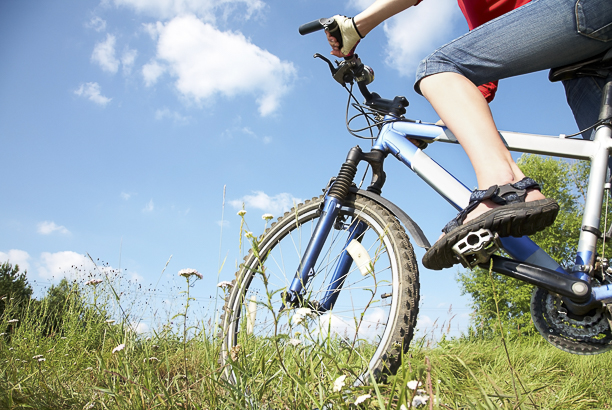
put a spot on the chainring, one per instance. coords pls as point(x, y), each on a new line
point(578, 334)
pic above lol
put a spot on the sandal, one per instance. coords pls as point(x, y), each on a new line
point(515, 218)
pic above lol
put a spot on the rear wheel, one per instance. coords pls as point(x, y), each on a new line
point(372, 320)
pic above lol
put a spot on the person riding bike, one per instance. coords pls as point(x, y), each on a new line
point(506, 38)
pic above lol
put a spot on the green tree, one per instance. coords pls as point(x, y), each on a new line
point(565, 182)
point(15, 291)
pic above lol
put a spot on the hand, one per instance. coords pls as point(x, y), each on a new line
point(350, 37)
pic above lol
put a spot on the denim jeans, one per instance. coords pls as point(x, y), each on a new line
point(540, 35)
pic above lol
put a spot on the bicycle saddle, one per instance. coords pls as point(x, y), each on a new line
point(596, 66)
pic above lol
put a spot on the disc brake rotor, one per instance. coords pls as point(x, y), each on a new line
point(578, 334)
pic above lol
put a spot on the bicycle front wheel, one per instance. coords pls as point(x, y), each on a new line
point(372, 321)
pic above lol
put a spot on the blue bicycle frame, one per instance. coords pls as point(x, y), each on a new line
point(393, 139)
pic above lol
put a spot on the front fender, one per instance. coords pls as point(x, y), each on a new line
point(413, 229)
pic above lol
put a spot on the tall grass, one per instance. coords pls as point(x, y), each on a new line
point(87, 361)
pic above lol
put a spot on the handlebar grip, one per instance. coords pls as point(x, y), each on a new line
point(313, 26)
point(329, 24)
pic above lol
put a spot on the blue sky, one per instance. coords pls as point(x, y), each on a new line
point(122, 121)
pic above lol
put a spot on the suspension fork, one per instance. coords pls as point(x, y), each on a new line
point(334, 199)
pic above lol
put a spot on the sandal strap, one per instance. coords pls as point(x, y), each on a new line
point(501, 195)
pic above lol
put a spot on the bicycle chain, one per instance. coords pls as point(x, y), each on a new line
point(584, 335)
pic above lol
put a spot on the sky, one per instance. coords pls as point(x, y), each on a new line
point(134, 130)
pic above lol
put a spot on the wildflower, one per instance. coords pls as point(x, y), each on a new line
point(93, 282)
point(225, 284)
point(13, 321)
point(234, 352)
point(38, 356)
point(419, 400)
point(361, 399)
point(402, 407)
point(294, 342)
point(249, 235)
point(300, 314)
point(42, 359)
point(339, 383)
point(413, 384)
point(151, 359)
point(89, 369)
point(2, 334)
point(118, 348)
point(110, 321)
point(186, 273)
point(267, 217)
point(242, 212)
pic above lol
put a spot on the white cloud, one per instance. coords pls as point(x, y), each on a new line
point(127, 60)
point(139, 327)
point(64, 264)
point(104, 54)
point(149, 207)
point(417, 32)
point(16, 257)
point(172, 115)
point(205, 9)
point(207, 63)
point(360, 4)
point(151, 72)
point(48, 227)
point(92, 92)
point(97, 24)
point(126, 195)
point(276, 205)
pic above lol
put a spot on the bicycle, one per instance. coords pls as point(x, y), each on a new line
point(346, 253)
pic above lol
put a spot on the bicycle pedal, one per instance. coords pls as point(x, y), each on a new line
point(477, 247)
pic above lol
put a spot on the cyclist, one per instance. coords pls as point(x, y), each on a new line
point(506, 38)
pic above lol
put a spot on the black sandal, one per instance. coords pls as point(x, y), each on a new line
point(515, 218)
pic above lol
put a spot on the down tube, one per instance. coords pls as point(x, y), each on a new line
point(393, 139)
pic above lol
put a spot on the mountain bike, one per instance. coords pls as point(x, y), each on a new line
point(339, 270)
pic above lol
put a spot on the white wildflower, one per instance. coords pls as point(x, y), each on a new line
point(93, 282)
point(300, 314)
point(413, 384)
point(249, 235)
point(339, 383)
point(118, 348)
point(186, 273)
point(225, 284)
point(402, 407)
point(361, 399)
point(419, 400)
point(89, 369)
point(38, 356)
point(151, 359)
point(294, 342)
point(4, 298)
point(242, 212)
point(42, 359)
point(110, 321)
point(2, 334)
point(13, 321)
point(267, 217)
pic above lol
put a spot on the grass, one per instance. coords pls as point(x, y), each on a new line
point(172, 368)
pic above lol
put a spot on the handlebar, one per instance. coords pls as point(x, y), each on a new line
point(352, 69)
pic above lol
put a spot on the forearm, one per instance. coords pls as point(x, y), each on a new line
point(379, 12)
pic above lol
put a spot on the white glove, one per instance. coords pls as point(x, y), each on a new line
point(350, 34)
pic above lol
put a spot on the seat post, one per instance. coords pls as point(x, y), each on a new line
point(606, 100)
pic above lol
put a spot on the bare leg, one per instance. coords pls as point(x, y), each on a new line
point(466, 113)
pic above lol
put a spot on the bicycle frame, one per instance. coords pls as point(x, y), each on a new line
point(393, 139)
